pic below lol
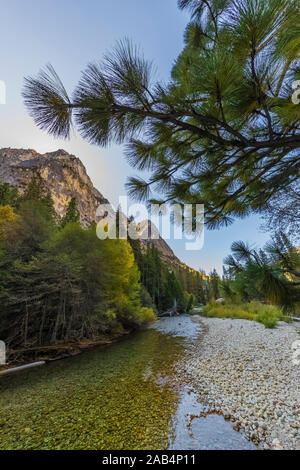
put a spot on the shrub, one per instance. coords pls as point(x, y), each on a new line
point(268, 315)
point(267, 318)
point(146, 316)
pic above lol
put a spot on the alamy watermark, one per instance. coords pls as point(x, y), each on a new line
point(2, 353)
point(137, 221)
point(2, 92)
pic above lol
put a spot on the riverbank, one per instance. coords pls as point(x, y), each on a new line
point(119, 397)
point(49, 353)
point(166, 387)
point(245, 371)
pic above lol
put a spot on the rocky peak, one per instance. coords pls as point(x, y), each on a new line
point(65, 176)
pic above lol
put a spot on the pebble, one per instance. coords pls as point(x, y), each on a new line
point(246, 372)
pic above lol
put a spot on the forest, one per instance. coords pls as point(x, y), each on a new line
point(261, 285)
point(204, 107)
point(59, 283)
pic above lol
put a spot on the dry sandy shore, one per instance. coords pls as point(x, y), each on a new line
point(246, 372)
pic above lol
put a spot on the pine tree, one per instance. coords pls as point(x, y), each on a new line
point(72, 213)
point(190, 303)
point(271, 274)
point(37, 193)
point(223, 132)
point(214, 280)
point(8, 195)
point(38, 219)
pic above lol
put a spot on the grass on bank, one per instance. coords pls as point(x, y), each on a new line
point(268, 315)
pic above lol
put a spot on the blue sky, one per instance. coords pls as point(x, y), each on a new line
point(69, 34)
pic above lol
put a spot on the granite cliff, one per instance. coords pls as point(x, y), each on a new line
point(65, 176)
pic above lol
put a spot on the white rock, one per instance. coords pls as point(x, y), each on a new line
point(248, 372)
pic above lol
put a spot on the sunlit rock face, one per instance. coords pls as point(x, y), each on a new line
point(150, 236)
point(66, 177)
point(63, 174)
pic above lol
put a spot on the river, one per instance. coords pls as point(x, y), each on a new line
point(129, 395)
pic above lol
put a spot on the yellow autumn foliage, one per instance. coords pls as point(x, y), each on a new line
point(7, 217)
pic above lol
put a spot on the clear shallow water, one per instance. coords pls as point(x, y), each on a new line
point(117, 397)
point(182, 327)
point(206, 433)
point(190, 431)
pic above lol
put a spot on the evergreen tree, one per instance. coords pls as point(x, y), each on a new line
point(283, 213)
point(61, 284)
point(38, 219)
point(190, 303)
point(72, 214)
point(201, 289)
point(37, 191)
point(223, 132)
point(272, 274)
point(173, 292)
point(8, 195)
point(214, 280)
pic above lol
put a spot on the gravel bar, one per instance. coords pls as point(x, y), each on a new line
point(246, 372)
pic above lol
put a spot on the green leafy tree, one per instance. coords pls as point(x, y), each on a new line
point(224, 131)
point(60, 284)
point(8, 220)
point(77, 287)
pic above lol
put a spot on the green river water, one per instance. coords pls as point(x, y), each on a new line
point(115, 397)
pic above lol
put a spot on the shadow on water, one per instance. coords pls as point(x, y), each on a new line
point(117, 397)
